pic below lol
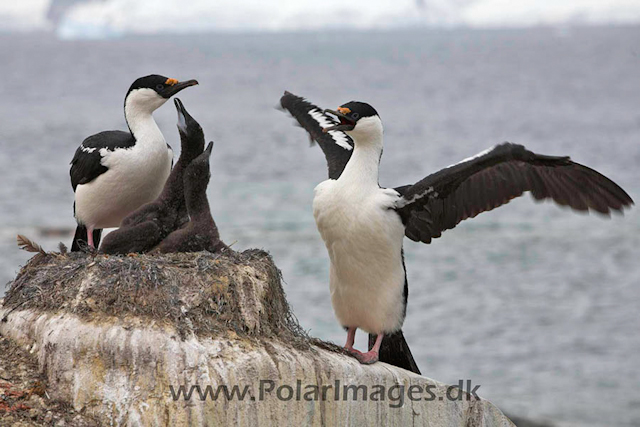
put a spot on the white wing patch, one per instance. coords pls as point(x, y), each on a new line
point(480, 154)
point(319, 117)
point(338, 136)
point(401, 203)
point(88, 149)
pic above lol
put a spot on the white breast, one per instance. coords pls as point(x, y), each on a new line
point(364, 240)
point(136, 176)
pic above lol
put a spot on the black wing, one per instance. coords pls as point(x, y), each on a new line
point(86, 164)
point(494, 177)
point(336, 145)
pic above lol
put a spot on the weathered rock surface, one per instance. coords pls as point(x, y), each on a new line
point(121, 339)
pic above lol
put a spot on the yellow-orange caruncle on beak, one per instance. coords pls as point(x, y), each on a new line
point(171, 82)
point(344, 110)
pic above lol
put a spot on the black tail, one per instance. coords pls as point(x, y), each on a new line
point(81, 236)
point(395, 351)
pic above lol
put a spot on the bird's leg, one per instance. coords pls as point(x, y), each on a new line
point(90, 237)
point(372, 355)
point(351, 338)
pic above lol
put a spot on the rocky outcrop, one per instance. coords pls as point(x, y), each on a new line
point(203, 339)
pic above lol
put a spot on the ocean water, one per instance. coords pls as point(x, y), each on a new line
point(536, 304)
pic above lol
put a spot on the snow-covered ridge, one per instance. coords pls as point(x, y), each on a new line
point(108, 18)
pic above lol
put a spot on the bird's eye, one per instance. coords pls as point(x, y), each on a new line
point(160, 87)
point(355, 116)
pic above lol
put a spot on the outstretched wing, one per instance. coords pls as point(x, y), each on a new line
point(86, 164)
point(336, 145)
point(494, 177)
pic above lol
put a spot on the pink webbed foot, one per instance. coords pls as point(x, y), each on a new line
point(353, 351)
point(351, 337)
point(367, 358)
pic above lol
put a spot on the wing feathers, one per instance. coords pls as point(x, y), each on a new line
point(336, 145)
point(475, 185)
point(87, 161)
point(492, 179)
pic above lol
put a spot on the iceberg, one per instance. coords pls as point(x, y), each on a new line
point(98, 19)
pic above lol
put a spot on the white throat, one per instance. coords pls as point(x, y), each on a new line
point(138, 109)
point(363, 166)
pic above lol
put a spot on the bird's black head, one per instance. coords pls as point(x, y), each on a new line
point(350, 114)
point(191, 133)
point(197, 175)
point(163, 86)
